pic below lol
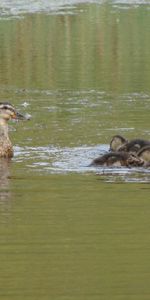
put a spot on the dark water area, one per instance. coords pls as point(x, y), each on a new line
point(70, 231)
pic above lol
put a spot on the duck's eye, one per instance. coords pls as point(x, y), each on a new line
point(5, 107)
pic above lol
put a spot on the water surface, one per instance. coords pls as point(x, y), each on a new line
point(69, 231)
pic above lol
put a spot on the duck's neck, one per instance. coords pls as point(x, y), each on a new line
point(3, 129)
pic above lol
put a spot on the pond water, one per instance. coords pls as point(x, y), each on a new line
point(69, 231)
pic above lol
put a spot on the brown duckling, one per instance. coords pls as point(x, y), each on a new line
point(118, 159)
point(134, 145)
point(7, 112)
point(116, 142)
point(144, 153)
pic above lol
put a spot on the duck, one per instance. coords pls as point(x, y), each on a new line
point(118, 159)
point(134, 145)
point(116, 142)
point(8, 112)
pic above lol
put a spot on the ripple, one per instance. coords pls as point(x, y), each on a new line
point(131, 2)
point(55, 158)
point(19, 8)
point(51, 159)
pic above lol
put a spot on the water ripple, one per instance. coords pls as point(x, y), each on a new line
point(17, 8)
point(50, 159)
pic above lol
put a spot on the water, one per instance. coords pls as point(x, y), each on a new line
point(17, 9)
point(70, 231)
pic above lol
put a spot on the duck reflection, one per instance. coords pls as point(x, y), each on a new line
point(5, 194)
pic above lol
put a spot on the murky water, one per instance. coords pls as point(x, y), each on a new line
point(70, 231)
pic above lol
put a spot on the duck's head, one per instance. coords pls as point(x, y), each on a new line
point(116, 142)
point(8, 112)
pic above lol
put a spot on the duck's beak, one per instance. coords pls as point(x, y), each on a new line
point(19, 116)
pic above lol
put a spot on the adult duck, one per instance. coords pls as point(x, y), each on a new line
point(8, 112)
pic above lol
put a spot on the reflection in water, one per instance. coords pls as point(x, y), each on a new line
point(4, 188)
point(61, 52)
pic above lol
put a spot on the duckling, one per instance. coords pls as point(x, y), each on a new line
point(134, 145)
point(116, 142)
point(7, 112)
point(144, 153)
point(118, 159)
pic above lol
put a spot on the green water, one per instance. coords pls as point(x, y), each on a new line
point(68, 231)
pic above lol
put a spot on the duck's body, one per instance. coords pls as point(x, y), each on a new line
point(6, 148)
point(116, 142)
point(7, 112)
point(118, 159)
